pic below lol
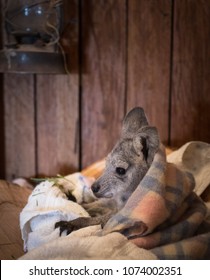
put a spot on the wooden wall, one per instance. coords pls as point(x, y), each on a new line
point(125, 53)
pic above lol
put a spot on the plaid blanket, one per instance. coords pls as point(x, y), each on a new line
point(164, 214)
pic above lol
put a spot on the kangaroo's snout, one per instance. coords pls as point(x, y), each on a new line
point(95, 188)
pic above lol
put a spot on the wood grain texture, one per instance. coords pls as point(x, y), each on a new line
point(2, 130)
point(58, 107)
point(2, 127)
point(124, 54)
point(191, 87)
point(149, 27)
point(57, 124)
point(103, 76)
point(19, 125)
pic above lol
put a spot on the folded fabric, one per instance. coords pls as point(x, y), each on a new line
point(48, 204)
point(84, 244)
point(164, 214)
point(164, 218)
point(194, 157)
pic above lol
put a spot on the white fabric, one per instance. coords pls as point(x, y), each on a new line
point(194, 157)
point(48, 204)
point(87, 243)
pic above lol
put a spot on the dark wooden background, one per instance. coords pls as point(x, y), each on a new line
point(125, 53)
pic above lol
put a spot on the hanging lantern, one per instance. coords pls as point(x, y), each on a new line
point(31, 36)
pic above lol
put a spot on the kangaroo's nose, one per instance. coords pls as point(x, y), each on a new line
point(95, 188)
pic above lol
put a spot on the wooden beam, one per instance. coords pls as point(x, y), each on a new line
point(103, 76)
point(149, 35)
point(191, 72)
point(57, 124)
point(19, 125)
point(2, 130)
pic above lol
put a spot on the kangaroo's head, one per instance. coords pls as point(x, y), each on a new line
point(129, 160)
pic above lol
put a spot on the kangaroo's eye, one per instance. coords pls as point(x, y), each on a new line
point(120, 171)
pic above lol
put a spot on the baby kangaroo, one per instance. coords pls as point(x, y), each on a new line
point(126, 165)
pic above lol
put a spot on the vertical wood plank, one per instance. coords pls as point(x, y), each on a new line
point(2, 136)
point(103, 76)
point(191, 87)
point(58, 107)
point(149, 35)
point(2, 130)
point(57, 124)
point(19, 125)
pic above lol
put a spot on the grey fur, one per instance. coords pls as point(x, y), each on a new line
point(126, 165)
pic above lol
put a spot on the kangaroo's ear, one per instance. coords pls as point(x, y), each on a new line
point(133, 121)
point(146, 142)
